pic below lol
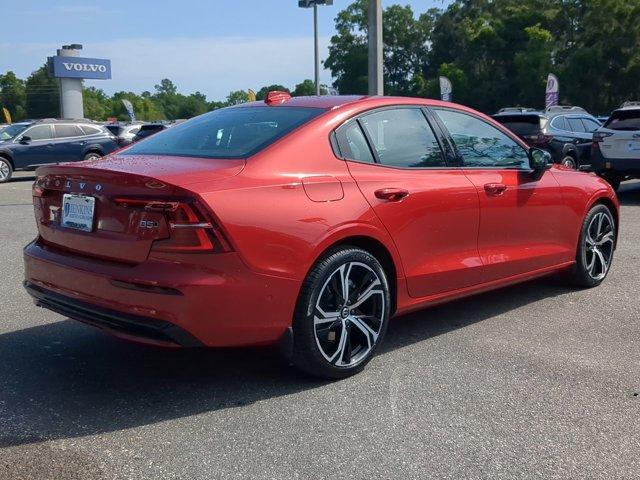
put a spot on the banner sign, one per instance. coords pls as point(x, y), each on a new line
point(332, 91)
point(252, 95)
point(446, 89)
point(77, 67)
point(129, 107)
point(7, 115)
point(552, 95)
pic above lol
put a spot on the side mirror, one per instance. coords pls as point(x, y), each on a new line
point(25, 140)
point(539, 159)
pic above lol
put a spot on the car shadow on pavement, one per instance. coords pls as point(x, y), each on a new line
point(629, 193)
point(66, 380)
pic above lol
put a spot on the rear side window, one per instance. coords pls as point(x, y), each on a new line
point(115, 129)
point(481, 144)
point(575, 125)
point(520, 124)
point(624, 120)
point(89, 130)
point(226, 133)
point(402, 137)
point(63, 131)
point(353, 144)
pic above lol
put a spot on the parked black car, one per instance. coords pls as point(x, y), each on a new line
point(149, 129)
point(53, 141)
point(563, 131)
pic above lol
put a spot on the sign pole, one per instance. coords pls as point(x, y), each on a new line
point(376, 80)
point(316, 45)
point(71, 104)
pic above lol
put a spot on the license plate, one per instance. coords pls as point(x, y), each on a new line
point(77, 212)
point(634, 146)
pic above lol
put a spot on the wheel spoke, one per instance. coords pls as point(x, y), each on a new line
point(368, 332)
point(337, 356)
point(601, 260)
point(607, 238)
point(368, 293)
point(591, 264)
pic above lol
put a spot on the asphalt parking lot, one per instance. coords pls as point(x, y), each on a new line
point(533, 381)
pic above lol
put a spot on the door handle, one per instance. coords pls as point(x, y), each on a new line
point(495, 189)
point(391, 194)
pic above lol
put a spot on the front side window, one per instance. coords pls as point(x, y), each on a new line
point(481, 144)
point(225, 133)
point(402, 137)
point(353, 144)
point(39, 132)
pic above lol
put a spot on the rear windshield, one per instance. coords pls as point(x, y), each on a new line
point(226, 133)
point(624, 120)
point(520, 124)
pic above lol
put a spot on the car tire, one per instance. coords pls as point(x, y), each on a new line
point(569, 161)
point(92, 156)
point(6, 170)
point(334, 337)
point(595, 248)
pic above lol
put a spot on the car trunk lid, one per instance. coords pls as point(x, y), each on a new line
point(124, 225)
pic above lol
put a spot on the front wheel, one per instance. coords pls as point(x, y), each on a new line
point(595, 248)
point(6, 171)
point(342, 314)
point(570, 162)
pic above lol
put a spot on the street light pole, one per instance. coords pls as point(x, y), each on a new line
point(316, 41)
point(316, 45)
point(376, 80)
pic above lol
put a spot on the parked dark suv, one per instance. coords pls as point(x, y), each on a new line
point(53, 141)
point(563, 131)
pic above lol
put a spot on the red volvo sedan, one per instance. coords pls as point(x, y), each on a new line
point(310, 221)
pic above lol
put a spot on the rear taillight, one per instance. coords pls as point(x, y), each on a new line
point(539, 139)
point(192, 228)
point(600, 136)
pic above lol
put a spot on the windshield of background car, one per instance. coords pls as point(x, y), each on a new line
point(624, 120)
point(520, 124)
point(226, 133)
point(11, 131)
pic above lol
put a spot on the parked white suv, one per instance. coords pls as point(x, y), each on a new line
point(615, 151)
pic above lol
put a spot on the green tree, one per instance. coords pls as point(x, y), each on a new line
point(42, 95)
point(97, 105)
point(406, 45)
point(262, 93)
point(13, 95)
point(236, 97)
point(308, 87)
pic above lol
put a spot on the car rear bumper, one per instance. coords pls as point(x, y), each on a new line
point(215, 302)
point(618, 166)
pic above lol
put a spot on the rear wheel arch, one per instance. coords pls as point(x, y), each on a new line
point(376, 248)
point(607, 202)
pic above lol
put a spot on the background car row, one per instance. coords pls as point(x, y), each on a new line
point(28, 144)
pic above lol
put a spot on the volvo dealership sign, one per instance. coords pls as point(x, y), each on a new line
point(79, 67)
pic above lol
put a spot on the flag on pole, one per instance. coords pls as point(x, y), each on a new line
point(446, 89)
point(129, 107)
point(552, 94)
point(7, 115)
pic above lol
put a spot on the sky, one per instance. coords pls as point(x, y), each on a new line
point(210, 46)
